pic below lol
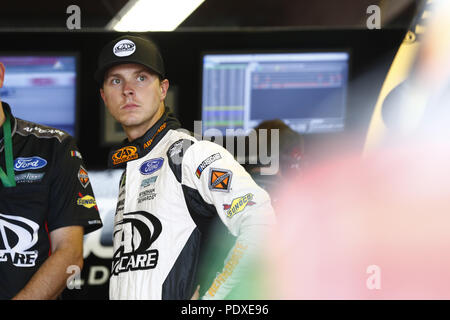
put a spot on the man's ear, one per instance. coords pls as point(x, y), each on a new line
point(164, 87)
point(2, 74)
point(102, 94)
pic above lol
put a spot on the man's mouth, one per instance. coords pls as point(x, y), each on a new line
point(129, 106)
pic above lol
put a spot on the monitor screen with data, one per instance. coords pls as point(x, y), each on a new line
point(42, 88)
point(307, 90)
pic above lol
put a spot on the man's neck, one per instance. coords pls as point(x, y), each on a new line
point(136, 132)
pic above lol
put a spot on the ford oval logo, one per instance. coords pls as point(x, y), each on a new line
point(32, 163)
point(150, 166)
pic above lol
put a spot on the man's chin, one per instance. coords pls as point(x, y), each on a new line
point(131, 124)
point(130, 120)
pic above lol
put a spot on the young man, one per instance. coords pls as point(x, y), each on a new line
point(46, 204)
point(172, 188)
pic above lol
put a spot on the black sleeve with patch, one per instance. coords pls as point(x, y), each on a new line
point(72, 200)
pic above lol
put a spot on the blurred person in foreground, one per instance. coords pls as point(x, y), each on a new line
point(377, 227)
point(46, 205)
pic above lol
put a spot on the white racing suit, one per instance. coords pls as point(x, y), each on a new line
point(173, 185)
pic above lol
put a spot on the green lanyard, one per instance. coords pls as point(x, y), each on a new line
point(8, 178)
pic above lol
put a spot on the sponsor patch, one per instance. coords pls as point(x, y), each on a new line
point(86, 201)
point(31, 163)
point(151, 166)
point(91, 222)
point(229, 268)
point(29, 177)
point(136, 252)
point(125, 154)
point(19, 237)
point(76, 154)
point(83, 177)
point(175, 148)
point(149, 181)
point(120, 205)
point(175, 155)
point(147, 195)
point(220, 180)
point(206, 163)
point(124, 48)
point(43, 131)
point(238, 205)
point(149, 142)
point(123, 180)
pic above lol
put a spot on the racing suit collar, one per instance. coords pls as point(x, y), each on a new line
point(139, 147)
point(7, 109)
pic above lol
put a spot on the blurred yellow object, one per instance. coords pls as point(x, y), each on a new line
point(400, 71)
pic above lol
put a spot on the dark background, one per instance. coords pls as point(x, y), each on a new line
point(216, 14)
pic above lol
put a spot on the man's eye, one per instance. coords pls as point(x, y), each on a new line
point(115, 81)
point(142, 78)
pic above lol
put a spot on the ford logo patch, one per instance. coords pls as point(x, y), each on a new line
point(32, 163)
point(150, 166)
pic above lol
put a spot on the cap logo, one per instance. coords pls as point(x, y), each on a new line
point(124, 48)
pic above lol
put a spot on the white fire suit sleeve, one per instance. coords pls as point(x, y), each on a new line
point(243, 206)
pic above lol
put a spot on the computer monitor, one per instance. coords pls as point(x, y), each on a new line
point(42, 88)
point(307, 90)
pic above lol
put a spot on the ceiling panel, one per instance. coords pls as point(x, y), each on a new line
point(215, 14)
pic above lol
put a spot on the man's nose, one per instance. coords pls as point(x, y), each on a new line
point(128, 90)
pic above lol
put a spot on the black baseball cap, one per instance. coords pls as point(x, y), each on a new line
point(129, 49)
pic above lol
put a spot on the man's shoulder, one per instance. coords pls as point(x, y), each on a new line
point(175, 138)
point(177, 142)
point(177, 134)
point(197, 146)
point(27, 128)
